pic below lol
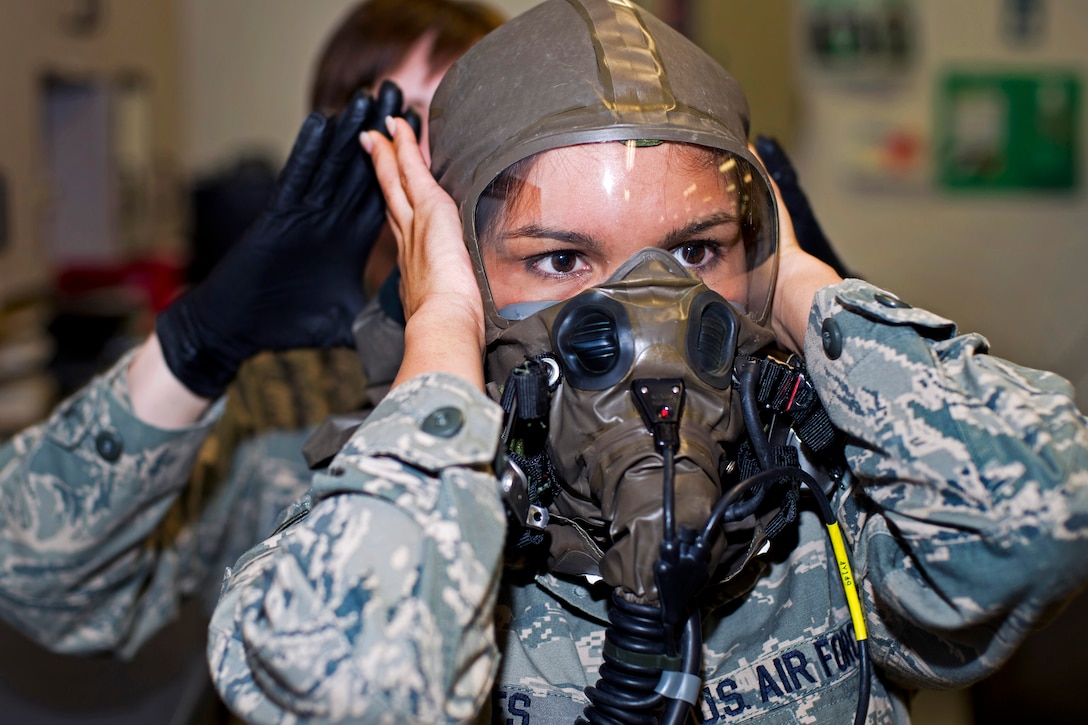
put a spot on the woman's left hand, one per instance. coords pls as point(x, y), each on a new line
point(799, 276)
point(445, 328)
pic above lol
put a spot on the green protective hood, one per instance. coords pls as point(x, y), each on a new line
point(569, 72)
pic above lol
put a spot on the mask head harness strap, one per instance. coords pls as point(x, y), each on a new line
point(526, 473)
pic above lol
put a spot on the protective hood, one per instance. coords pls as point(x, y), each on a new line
point(572, 72)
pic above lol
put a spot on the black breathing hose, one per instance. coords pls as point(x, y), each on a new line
point(634, 648)
point(641, 681)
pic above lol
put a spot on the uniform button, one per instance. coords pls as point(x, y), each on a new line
point(889, 301)
point(444, 422)
point(109, 445)
point(831, 337)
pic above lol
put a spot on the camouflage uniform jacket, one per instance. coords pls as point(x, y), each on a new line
point(106, 522)
point(382, 595)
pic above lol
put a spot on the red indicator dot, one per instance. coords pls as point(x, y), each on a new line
point(665, 411)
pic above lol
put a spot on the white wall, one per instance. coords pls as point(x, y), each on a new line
point(1009, 265)
point(132, 37)
point(246, 71)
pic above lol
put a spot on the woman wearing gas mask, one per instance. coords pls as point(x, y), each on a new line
point(604, 486)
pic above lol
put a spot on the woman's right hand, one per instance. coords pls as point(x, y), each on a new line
point(442, 304)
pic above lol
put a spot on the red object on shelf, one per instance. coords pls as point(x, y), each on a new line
point(158, 279)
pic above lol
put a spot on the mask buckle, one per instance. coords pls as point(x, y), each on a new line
point(515, 491)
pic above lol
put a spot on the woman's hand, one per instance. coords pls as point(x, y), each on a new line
point(295, 279)
point(445, 328)
point(799, 276)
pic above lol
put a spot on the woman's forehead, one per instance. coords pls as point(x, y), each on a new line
point(602, 178)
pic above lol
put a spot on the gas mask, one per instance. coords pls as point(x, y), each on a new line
point(645, 360)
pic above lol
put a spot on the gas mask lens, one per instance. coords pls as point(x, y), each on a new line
point(564, 220)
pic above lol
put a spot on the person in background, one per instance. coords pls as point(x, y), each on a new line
point(574, 502)
point(139, 489)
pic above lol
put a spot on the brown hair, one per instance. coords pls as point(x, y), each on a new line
point(376, 36)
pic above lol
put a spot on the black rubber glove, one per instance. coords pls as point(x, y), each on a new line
point(809, 233)
point(295, 279)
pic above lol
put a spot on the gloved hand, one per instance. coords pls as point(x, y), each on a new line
point(805, 226)
point(295, 279)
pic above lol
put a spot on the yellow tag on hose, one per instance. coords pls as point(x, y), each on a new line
point(848, 585)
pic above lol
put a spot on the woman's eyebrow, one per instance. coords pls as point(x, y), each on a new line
point(699, 226)
point(566, 236)
point(589, 243)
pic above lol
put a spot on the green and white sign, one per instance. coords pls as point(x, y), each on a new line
point(1008, 131)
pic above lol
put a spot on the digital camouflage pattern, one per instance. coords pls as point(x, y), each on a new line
point(967, 518)
point(404, 533)
point(106, 523)
point(81, 493)
point(96, 552)
point(381, 598)
point(971, 485)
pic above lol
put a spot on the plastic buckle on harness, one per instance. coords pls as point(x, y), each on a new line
point(783, 387)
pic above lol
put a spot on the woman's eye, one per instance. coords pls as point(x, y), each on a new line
point(693, 254)
point(559, 263)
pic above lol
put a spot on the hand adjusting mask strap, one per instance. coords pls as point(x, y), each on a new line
point(646, 388)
